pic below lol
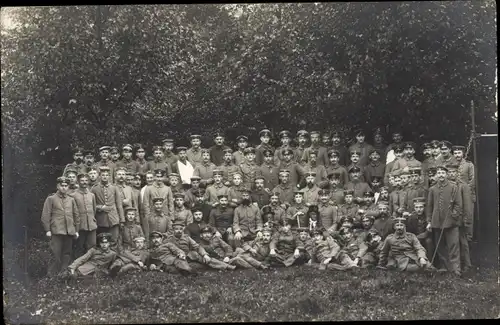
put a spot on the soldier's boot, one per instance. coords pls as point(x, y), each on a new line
point(412, 268)
point(129, 267)
point(219, 265)
point(115, 267)
point(240, 262)
point(183, 266)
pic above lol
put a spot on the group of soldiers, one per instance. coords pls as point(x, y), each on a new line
point(320, 203)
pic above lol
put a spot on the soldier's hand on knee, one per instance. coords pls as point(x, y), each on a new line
point(77, 235)
point(272, 252)
point(48, 234)
point(310, 262)
point(238, 235)
point(423, 261)
point(226, 259)
point(217, 234)
point(152, 267)
point(428, 228)
point(182, 256)
point(206, 259)
point(296, 253)
point(253, 251)
point(259, 234)
point(327, 260)
point(140, 264)
point(71, 271)
point(229, 230)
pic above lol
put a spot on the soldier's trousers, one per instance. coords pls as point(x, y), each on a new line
point(62, 247)
point(247, 258)
point(464, 248)
point(214, 263)
point(287, 259)
point(448, 250)
point(239, 243)
point(86, 240)
point(428, 243)
point(124, 266)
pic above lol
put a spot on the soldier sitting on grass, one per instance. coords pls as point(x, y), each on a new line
point(326, 250)
point(285, 247)
point(97, 259)
point(131, 259)
point(217, 248)
point(256, 253)
point(194, 228)
point(354, 247)
point(374, 242)
point(166, 256)
point(130, 229)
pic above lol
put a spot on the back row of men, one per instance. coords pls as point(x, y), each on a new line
point(237, 201)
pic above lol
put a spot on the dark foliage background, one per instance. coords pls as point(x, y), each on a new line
point(94, 75)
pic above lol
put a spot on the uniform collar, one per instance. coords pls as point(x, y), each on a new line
point(61, 195)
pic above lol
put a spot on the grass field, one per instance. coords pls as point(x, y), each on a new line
point(292, 294)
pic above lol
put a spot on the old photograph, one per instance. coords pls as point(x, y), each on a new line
point(261, 162)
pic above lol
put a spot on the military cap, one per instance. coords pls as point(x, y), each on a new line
point(222, 196)
point(376, 178)
point(348, 192)
point(237, 173)
point(354, 169)
point(333, 152)
point(93, 168)
point(355, 152)
point(284, 134)
point(104, 237)
point(178, 223)
point(313, 152)
point(267, 230)
point(77, 151)
point(284, 171)
point(127, 147)
point(277, 194)
point(259, 177)
point(372, 233)
point(397, 130)
point(295, 192)
point(206, 228)
point(359, 132)
point(242, 138)
point(88, 152)
point(377, 130)
point(426, 146)
point(227, 150)
point(344, 219)
point(129, 173)
point(323, 192)
point(404, 171)
point(137, 176)
point(399, 220)
point(249, 150)
point(287, 152)
point(302, 133)
point(266, 209)
point(333, 175)
point(366, 217)
point(313, 232)
point(268, 153)
point(336, 134)
point(245, 190)
point(446, 144)
point(104, 169)
point(441, 167)
point(307, 174)
point(314, 132)
point(204, 150)
point(452, 166)
point(140, 239)
point(104, 148)
point(62, 179)
point(264, 132)
point(196, 209)
point(80, 175)
point(178, 195)
point(195, 178)
point(158, 199)
point(432, 170)
point(217, 172)
point(409, 144)
point(155, 234)
point(384, 188)
point(199, 192)
point(114, 150)
point(419, 201)
point(398, 148)
point(129, 209)
point(368, 194)
point(159, 172)
point(156, 148)
point(195, 136)
point(435, 143)
point(71, 170)
point(415, 169)
point(373, 150)
point(343, 231)
point(458, 148)
point(168, 140)
point(121, 168)
point(383, 204)
point(181, 148)
point(313, 208)
point(219, 134)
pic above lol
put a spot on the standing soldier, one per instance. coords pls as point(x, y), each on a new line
point(228, 168)
point(181, 214)
point(415, 188)
point(296, 214)
point(60, 220)
point(285, 189)
point(355, 156)
point(362, 147)
point(158, 190)
point(311, 190)
point(158, 221)
point(374, 168)
point(86, 204)
point(194, 153)
point(239, 155)
point(444, 209)
point(328, 213)
point(356, 184)
point(168, 156)
point(125, 191)
point(216, 189)
point(88, 159)
point(417, 224)
point(398, 154)
point(435, 152)
point(260, 196)
point(397, 138)
point(136, 193)
point(183, 167)
point(158, 162)
point(268, 170)
point(109, 205)
point(217, 150)
point(105, 161)
point(221, 219)
point(379, 145)
point(302, 142)
point(127, 162)
point(205, 169)
point(465, 170)
point(285, 144)
point(249, 168)
point(190, 194)
point(77, 165)
point(295, 171)
point(341, 149)
point(335, 168)
point(71, 175)
point(446, 156)
point(93, 177)
point(322, 156)
point(397, 198)
point(265, 137)
point(313, 166)
point(115, 155)
point(247, 221)
point(141, 163)
point(278, 210)
point(235, 190)
point(408, 160)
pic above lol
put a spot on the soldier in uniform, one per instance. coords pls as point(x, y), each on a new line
point(115, 155)
point(259, 195)
point(205, 169)
point(326, 250)
point(356, 184)
point(362, 147)
point(256, 253)
point(236, 190)
point(164, 255)
point(383, 222)
point(249, 168)
point(355, 155)
point(127, 162)
point(77, 165)
point(265, 137)
point(88, 159)
point(201, 204)
point(302, 141)
point(285, 189)
point(130, 229)
point(93, 177)
point(216, 189)
point(353, 247)
point(181, 214)
point(219, 249)
point(86, 204)
point(105, 161)
point(228, 168)
point(402, 250)
point(341, 149)
point(408, 160)
point(71, 175)
point(239, 155)
point(247, 221)
point(431, 172)
point(336, 189)
point(312, 166)
point(376, 185)
point(398, 154)
point(221, 219)
point(194, 153)
point(374, 168)
point(384, 194)
point(397, 198)
point(279, 212)
point(349, 208)
point(217, 150)
point(174, 181)
point(194, 228)
point(328, 213)
point(136, 193)
point(397, 138)
point(268, 170)
point(158, 190)
point(60, 220)
point(158, 162)
point(444, 209)
point(158, 220)
point(435, 151)
point(168, 156)
point(311, 196)
point(415, 188)
point(131, 259)
point(126, 193)
point(325, 139)
point(297, 212)
point(183, 167)
point(97, 259)
point(109, 205)
point(379, 145)
point(417, 223)
point(141, 163)
point(295, 171)
point(285, 247)
point(285, 144)
point(335, 167)
point(322, 155)
point(446, 156)
point(465, 169)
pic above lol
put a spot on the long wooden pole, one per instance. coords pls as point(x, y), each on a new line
point(476, 169)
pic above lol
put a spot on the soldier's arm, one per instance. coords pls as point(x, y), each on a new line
point(189, 217)
point(468, 205)
point(384, 252)
point(170, 202)
point(174, 249)
point(259, 219)
point(420, 250)
point(119, 205)
point(236, 221)
point(82, 259)
point(362, 248)
point(196, 247)
point(47, 213)
point(334, 247)
point(76, 216)
point(458, 207)
point(471, 180)
point(228, 250)
point(211, 218)
point(94, 204)
point(127, 254)
point(274, 242)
